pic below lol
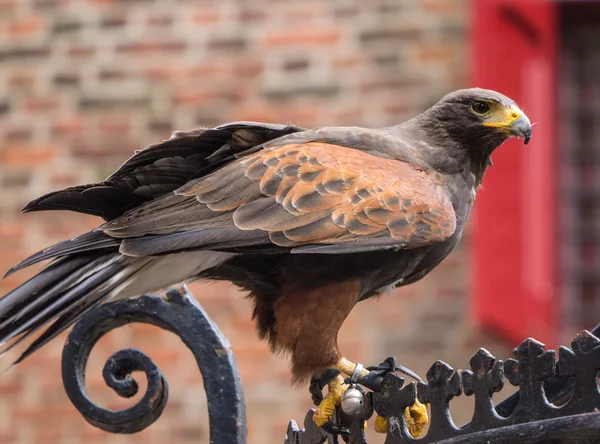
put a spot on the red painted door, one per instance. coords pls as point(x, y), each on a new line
point(515, 251)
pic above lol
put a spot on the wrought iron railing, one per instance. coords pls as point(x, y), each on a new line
point(181, 314)
point(557, 401)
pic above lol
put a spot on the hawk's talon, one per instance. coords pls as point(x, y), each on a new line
point(390, 365)
point(415, 415)
point(318, 383)
point(335, 429)
point(416, 418)
point(381, 424)
point(325, 410)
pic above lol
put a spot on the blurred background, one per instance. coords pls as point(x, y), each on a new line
point(84, 83)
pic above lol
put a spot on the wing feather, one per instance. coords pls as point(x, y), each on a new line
point(162, 168)
point(320, 193)
point(309, 196)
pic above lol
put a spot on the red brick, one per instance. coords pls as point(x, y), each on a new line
point(257, 112)
point(207, 69)
point(24, 79)
point(58, 232)
point(248, 68)
point(18, 133)
point(25, 27)
point(46, 360)
point(349, 61)
point(159, 73)
point(8, 230)
point(191, 98)
point(28, 414)
point(10, 389)
point(182, 72)
point(63, 180)
point(256, 351)
point(304, 114)
point(145, 47)
point(304, 13)
point(71, 126)
point(164, 356)
point(206, 17)
point(396, 108)
point(244, 324)
point(438, 52)
point(104, 148)
point(349, 116)
point(114, 125)
point(303, 36)
point(252, 15)
point(160, 20)
point(441, 6)
point(8, 6)
point(8, 437)
point(82, 51)
point(22, 154)
point(92, 433)
point(48, 433)
point(42, 104)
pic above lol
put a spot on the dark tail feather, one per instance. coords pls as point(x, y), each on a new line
point(92, 240)
point(59, 295)
point(60, 325)
point(14, 301)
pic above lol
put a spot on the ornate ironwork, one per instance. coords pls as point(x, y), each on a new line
point(181, 314)
point(557, 401)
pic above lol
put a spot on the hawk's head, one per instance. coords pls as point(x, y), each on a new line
point(475, 121)
point(482, 113)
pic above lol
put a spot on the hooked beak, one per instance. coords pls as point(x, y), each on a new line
point(513, 121)
point(521, 128)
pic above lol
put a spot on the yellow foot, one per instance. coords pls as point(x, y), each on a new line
point(381, 424)
point(416, 415)
point(325, 410)
point(348, 368)
point(416, 418)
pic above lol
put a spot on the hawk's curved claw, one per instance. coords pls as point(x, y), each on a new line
point(390, 365)
point(335, 429)
point(381, 424)
point(318, 383)
point(416, 418)
point(416, 415)
point(325, 410)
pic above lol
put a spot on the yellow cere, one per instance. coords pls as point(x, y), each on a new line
point(503, 117)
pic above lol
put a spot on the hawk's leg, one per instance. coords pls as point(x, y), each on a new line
point(416, 415)
point(307, 321)
point(324, 413)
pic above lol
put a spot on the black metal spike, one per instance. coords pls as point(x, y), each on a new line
point(443, 385)
point(582, 363)
point(534, 365)
point(485, 378)
point(391, 402)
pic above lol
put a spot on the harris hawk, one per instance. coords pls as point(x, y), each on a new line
point(309, 222)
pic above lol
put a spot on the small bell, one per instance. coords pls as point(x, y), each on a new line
point(352, 401)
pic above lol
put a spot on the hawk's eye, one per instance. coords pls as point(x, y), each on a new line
point(480, 107)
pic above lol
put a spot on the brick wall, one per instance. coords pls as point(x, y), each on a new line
point(84, 83)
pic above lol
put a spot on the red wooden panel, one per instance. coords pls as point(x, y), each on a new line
point(515, 252)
